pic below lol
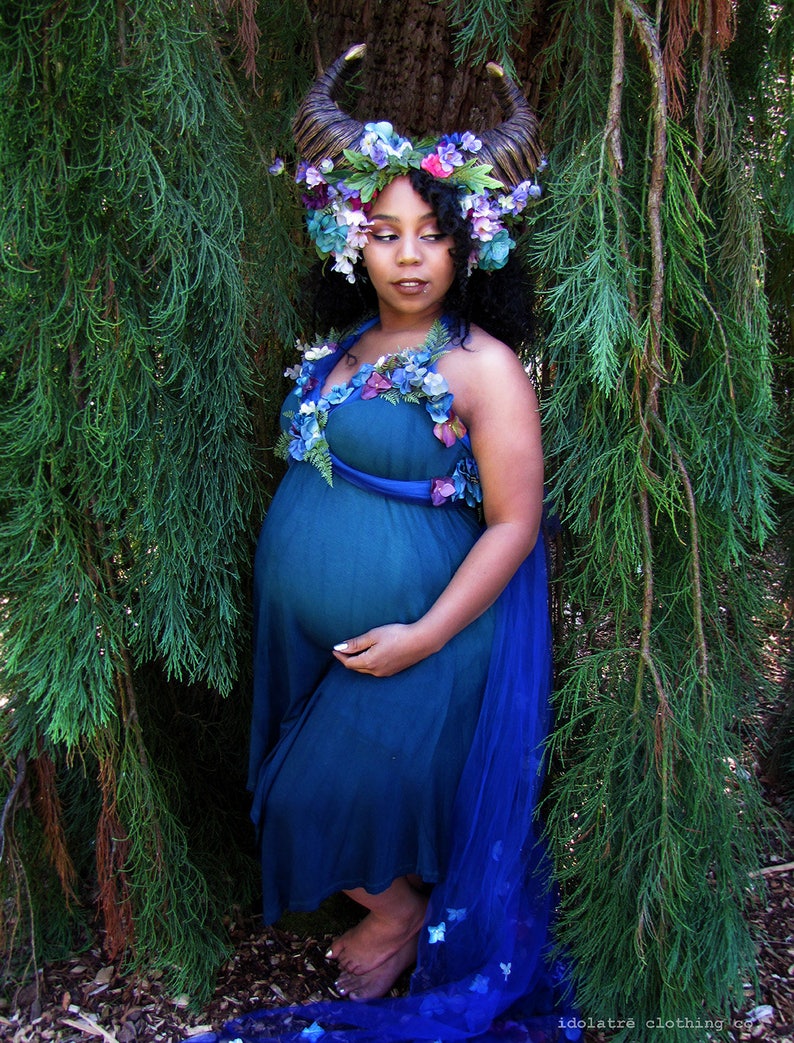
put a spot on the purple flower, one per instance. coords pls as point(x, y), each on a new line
point(441, 489)
point(374, 385)
point(318, 198)
point(515, 202)
point(470, 143)
point(314, 177)
point(450, 430)
point(347, 193)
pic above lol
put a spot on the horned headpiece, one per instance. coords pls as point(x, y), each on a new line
point(345, 163)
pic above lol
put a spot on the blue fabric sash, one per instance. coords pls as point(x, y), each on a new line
point(417, 491)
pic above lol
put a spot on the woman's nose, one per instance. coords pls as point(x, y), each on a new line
point(409, 252)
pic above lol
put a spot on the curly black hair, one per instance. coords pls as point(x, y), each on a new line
point(501, 302)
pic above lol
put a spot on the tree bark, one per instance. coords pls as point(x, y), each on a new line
point(409, 75)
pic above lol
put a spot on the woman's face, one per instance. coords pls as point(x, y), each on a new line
point(408, 259)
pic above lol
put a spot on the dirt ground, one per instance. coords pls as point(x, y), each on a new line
point(86, 999)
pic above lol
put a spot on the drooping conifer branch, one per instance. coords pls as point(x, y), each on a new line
point(613, 137)
point(701, 98)
point(123, 383)
point(50, 811)
point(612, 132)
point(651, 342)
point(112, 850)
point(649, 35)
point(697, 580)
point(11, 800)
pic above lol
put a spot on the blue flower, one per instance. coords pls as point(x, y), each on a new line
point(401, 378)
point(434, 385)
point(467, 482)
point(362, 376)
point(431, 1005)
point(416, 372)
point(381, 143)
point(457, 914)
point(326, 233)
point(439, 410)
point(338, 393)
point(437, 933)
point(314, 1031)
point(493, 254)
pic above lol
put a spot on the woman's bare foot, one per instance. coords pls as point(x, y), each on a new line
point(377, 982)
point(375, 940)
point(395, 918)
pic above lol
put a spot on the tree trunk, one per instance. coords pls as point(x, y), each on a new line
point(409, 74)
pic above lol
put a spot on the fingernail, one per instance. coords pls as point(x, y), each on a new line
point(341, 647)
point(329, 954)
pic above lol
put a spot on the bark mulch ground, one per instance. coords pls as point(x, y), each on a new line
point(85, 998)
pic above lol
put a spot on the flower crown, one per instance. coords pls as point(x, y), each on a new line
point(338, 200)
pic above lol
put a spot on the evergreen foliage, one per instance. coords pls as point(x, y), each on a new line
point(126, 471)
point(274, 249)
point(129, 147)
point(485, 30)
point(661, 427)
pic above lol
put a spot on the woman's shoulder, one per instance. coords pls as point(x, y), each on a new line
point(480, 353)
point(484, 370)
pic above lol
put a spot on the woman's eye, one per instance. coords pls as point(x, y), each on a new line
point(434, 237)
point(383, 237)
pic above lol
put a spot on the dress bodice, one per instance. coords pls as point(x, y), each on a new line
point(392, 420)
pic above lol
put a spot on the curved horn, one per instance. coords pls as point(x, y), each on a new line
point(320, 127)
point(513, 148)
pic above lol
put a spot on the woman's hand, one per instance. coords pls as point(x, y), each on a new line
point(383, 651)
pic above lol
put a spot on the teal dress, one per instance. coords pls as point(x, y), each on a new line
point(437, 770)
point(353, 776)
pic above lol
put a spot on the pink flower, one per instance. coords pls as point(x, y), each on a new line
point(452, 429)
point(434, 165)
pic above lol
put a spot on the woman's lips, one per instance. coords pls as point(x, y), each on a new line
point(410, 286)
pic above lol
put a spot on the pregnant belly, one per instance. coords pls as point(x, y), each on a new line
point(355, 560)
